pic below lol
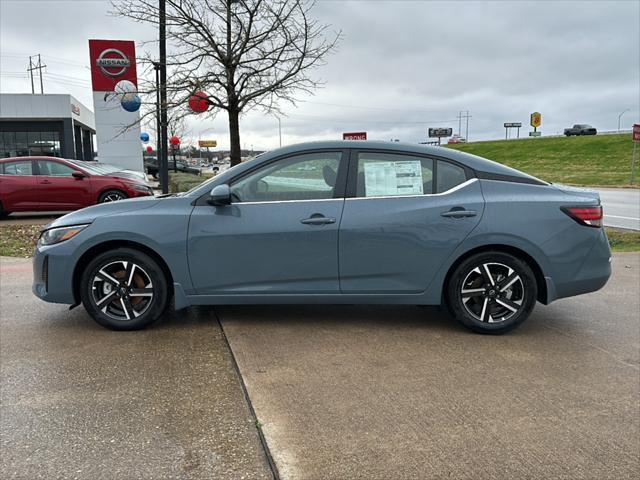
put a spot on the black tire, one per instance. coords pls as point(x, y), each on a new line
point(112, 196)
point(499, 293)
point(3, 213)
point(138, 299)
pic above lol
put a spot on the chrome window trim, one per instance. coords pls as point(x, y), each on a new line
point(341, 199)
point(451, 190)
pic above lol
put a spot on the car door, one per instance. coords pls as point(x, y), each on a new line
point(18, 186)
point(280, 233)
point(58, 189)
point(403, 216)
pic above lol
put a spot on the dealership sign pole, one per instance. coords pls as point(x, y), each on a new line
point(116, 102)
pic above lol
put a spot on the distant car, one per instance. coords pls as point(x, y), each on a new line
point(52, 184)
point(580, 129)
point(457, 139)
point(372, 222)
point(108, 168)
point(151, 166)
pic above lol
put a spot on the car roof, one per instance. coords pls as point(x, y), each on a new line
point(33, 157)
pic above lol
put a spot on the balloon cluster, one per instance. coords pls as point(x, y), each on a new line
point(127, 92)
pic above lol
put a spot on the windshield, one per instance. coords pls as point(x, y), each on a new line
point(96, 168)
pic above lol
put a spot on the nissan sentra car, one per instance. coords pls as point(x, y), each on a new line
point(334, 223)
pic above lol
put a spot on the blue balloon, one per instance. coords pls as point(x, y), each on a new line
point(131, 103)
point(144, 136)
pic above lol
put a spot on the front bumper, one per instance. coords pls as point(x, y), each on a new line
point(53, 273)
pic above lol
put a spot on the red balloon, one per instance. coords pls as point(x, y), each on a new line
point(149, 149)
point(198, 102)
point(175, 141)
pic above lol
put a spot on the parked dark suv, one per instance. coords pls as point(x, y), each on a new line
point(580, 129)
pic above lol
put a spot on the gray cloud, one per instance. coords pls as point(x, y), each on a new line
point(402, 66)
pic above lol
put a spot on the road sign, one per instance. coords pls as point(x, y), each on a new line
point(440, 132)
point(354, 136)
point(207, 143)
point(536, 119)
point(636, 132)
point(535, 134)
point(512, 125)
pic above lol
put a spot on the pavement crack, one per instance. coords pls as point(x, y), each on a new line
point(257, 423)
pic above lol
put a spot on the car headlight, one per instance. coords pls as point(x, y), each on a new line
point(60, 234)
point(140, 188)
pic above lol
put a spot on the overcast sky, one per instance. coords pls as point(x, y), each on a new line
point(402, 66)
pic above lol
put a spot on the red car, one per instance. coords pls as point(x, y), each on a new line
point(51, 184)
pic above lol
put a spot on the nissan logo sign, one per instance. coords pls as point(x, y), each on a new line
point(113, 62)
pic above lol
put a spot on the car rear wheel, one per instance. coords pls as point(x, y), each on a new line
point(3, 212)
point(112, 196)
point(124, 289)
point(492, 292)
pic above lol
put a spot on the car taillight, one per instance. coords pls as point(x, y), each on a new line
point(590, 216)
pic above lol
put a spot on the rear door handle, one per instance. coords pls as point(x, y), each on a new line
point(45, 182)
point(317, 219)
point(453, 213)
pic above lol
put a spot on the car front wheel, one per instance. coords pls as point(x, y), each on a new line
point(112, 196)
point(124, 289)
point(492, 292)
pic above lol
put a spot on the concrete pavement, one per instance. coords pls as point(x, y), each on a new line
point(403, 392)
point(621, 207)
point(79, 401)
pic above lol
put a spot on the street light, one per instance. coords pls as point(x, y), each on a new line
point(620, 117)
point(279, 128)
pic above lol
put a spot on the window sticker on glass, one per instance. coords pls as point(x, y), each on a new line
point(383, 179)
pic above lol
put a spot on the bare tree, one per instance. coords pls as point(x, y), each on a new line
point(241, 53)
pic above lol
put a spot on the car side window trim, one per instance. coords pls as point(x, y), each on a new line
point(352, 180)
point(460, 186)
point(339, 189)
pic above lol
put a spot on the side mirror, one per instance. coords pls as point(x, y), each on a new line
point(78, 175)
point(220, 195)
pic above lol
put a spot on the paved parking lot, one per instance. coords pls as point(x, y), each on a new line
point(402, 392)
point(80, 401)
point(340, 391)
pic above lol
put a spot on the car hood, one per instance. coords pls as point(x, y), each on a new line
point(89, 214)
point(129, 176)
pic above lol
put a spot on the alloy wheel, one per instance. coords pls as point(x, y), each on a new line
point(113, 197)
point(122, 290)
point(492, 292)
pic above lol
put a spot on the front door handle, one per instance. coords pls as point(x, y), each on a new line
point(459, 213)
point(318, 219)
point(45, 182)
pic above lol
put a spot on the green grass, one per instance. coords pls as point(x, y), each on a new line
point(623, 240)
point(600, 160)
point(20, 240)
point(181, 181)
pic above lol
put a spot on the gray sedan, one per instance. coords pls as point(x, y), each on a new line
point(334, 222)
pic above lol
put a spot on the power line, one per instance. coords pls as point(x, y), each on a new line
point(39, 67)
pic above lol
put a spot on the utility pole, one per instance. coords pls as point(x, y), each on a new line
point(463, 114)
point(164, 163)
point(279, 130)
point(33, 66)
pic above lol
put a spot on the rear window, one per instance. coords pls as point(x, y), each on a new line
point(449, 176)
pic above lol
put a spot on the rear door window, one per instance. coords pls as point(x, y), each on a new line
point(393, 175)
point(18, 168)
